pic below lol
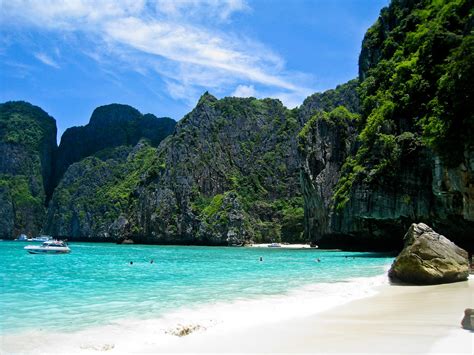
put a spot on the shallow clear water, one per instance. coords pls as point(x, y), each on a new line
point(96, 284)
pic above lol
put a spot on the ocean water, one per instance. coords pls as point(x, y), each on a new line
point(96, 285)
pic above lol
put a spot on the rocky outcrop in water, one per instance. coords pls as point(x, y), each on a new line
point(27, 150)
point(109, 126)
point(429, 258)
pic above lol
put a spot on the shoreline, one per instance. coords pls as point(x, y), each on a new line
point(361, 315)
point(133, 335)
point(398, 319)
point(281, 246)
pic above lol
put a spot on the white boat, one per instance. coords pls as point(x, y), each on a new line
point(42, 238)
point(274, 245)
point(23, 238)
point(49, 247)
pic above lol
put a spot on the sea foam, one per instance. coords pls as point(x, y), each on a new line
point(126, 335)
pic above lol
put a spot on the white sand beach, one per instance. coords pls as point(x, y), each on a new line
point(283, 246)
point(400, 319)
point(348, 319)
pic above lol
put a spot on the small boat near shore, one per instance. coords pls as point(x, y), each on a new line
point(42, 238)
point(49, 247)
point(23, 238)
point(274, 245)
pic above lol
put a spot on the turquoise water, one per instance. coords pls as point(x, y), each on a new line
point(95, 284)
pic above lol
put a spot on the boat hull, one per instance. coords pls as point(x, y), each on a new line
point(48, 251)
point(40, 250)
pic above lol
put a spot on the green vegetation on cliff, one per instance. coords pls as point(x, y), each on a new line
point(416, 66)
point(96, 191)
point(408, 158)
point(27, 150)
point(343, 95)
point(339, 117)
point(373, 154)
point(25, 124)
point(110, 126)
point(230, 175)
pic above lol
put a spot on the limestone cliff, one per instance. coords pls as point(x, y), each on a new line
point(109, 126)
point(343, 95)
point(95, 193)
point(412, 157)
point(230, 175)
point(27, 150)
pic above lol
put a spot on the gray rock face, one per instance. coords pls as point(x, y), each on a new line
point(27, 150)
point(324, 148)
point(376, 214)
point(92, 200)
point(226, 171)
point(453, 190)
point(343, 95)
point(229, 174)
point(429, 258)
point(401, 170)
point(227, 224)
point(110, 126)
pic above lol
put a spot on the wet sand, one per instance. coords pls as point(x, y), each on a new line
point(395, 320)
point(400, 319)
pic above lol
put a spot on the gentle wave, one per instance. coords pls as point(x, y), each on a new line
point(96, 285)
point(214, 316)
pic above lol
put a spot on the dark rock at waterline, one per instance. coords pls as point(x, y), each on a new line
point(468, 320)
point(429, 258)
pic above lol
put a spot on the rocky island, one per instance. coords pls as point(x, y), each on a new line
point(326, 193)
point(351, 167)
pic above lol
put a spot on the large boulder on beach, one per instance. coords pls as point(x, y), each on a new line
point(429, 258)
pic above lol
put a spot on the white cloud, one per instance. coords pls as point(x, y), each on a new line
point(186, 44)
point(244, 91)
point(176, 90)
point(46, 59)
point(68, 15)
point(165, 37)
point(292, 99)
point(220, 9)
point(20, 70)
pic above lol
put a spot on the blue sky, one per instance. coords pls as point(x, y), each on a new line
point(159, 56)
